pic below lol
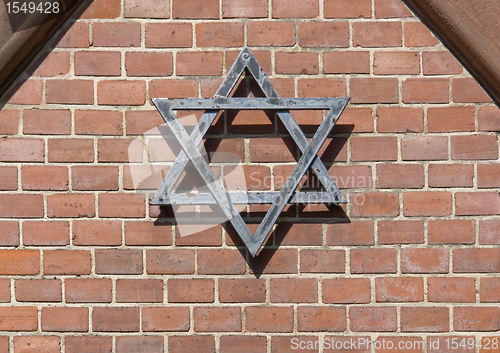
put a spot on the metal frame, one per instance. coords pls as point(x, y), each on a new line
point(273, 101)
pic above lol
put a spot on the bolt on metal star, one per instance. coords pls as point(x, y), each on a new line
point(227, 200)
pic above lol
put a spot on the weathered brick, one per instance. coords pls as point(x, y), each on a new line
point(70, 205)
point(121, 92)
point(102, 9)
point(269, 319)
point(97, 233)
point(241, 8)
point(374, 90)
point(456, 231)
point(275, 261)
point(488, 118)
point(51, 178)
point(376, 204)
point(148, 64)
point(21, 318)
point(399, 289)
point(320, 318)
point(400, 232)
point(396, 63)
point(324, 34)
point(346, 290)
point(373, 319)
point(98, 122)
point(374, 148)
point(220, 34)
point(88, 344)
point(71, 150)
point(346, 62)
point(425, 90)
point(488, 234)
point(476, 318)
point(120, 150)
point(450, 175)
point(220, 261)
point(8, 178)
point(467, 90)
point(427, 203)
point(21, 206)
point(451, 289)
point(474, 147)
point(139, 290)
point(296, 63)
point(488, 175)
point(424, 260)
point(76, 36)
point(44, 121)
point(242, 290)
point(161, 319)
point(147, 9)
point(130, 344)
point(116, 34)
point(425, 319)
point(418, 35)
point(97, 63)
point(118, 262)
point(397, 119)
point(347, 9)
point(414, 148)
point(373, 261)
point(288, 290)
point(201, 344)
point(352, 233)
point(440, 63)
point(476, 260)
point(199, 63)
point(10, 233)
point(217, 319)
point(147, 233)
point(194, 9)
point(65, 319)
point(321, 88)
point(391, 9)
point(477, 203)
point(271, 33)
point(195, 290)
point(35, 343)
point(88, 290)
point(10, 121)
point(295, 8)
point(322, 261)
point(115, 319)
point(22, 150)
point(66, 262)
point(38, 290)
point(490, 290)
point(69, 92)
point(121, 205)
point(94, 178)
point(26, 92)
point(395, 176)
point(242, 344)
point(377, 34)
point(170, 261)
point(169, 35)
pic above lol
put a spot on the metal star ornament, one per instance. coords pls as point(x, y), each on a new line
point(227, 200)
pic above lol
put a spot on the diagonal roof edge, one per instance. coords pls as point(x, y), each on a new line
point(469, 29)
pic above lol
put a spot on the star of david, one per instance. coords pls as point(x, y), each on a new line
point(227, 200)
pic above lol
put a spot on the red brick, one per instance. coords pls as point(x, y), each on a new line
point(117, 34)
point(488, 234)
point(322, 261)
point(70, 205)
point(22, 150)
point(424, 260)
point(427, 203)
point(169, 35)
point(374, 319)
point(65, 319)
point(415, 148)
point(418, 35)
point(172, 89)
point(194, 9)
point(147, 233)
point(21, 206)
point(488, 118)
point(148, 64)
point(38, 290)
point(451, 289)
point(399, 289)
point(377, 34)
point(296, 63)
point(115, 319)
point(391, 9)
point(97, 233)
point(121, 205)
point(374, 90)
point(440, 63)
point(292, 290)
point(88, 290)
point(490, 290)
point(318, 318)
point(77, 36)
point(476, 318)
point(476, 260)
point(455, 231)
point(397, 119)
point(21, 318)
point(69, 92)
point(467, 90)
point(400, 232)
point(425, 90)
point(8, 178)
point(220, 261)
point(295, 8)
point(474, 147)
point(131, 344)
point(71, 150)
point(488, 175)
point(121, 92)
point(103, 9)
point(44, 121)
point(195, 290)
point(118, 262)
point(400, 176)
point(26, 92)
point(425, 319)
point(272, 150)
point(374, 148)
point(352, 233)
point(97, 63)
point(352, 176)
point(10, 122)
point(339, 62)
point(269, 319)
point(280, 261)
point(373, 261)
point(220, 34)
point(299, 234)
point(321, 88)
point(271, 33)
point(199, 344)
point(289, 344)
point(170, 261)
point(217, 319)
point(147, 9)
point(10, 233)
point(44, 178)
point(244, 9)
point(324, 34)
point(35, 344)
point(348, 9)
point(199, 63)
point(242, 290)
point(396, 63)
point(450, 119)
point(88, 344)
point(120, 150)
point(346, 290)
point(139, 122)
point(66, 262)
point(95, 178)
point(377, 204)
point(477, 203)
point(242, 344)
point(46, 233)
point(139, 291)
point(165, 319)
point(450, 175)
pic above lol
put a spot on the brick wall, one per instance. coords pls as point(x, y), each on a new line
point(87, 265)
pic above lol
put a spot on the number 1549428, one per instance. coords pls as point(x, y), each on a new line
point(32, 7)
